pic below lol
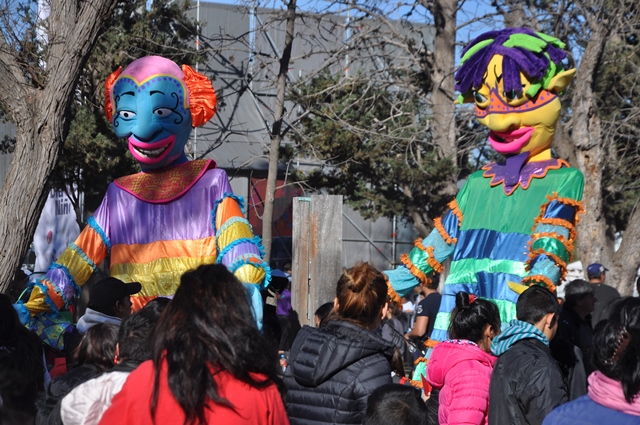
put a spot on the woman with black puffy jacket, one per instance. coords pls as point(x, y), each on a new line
point(333, 369)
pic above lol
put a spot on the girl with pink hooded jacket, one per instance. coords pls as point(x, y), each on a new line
point(461, 366)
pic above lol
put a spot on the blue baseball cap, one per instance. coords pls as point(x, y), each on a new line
point(596, 269)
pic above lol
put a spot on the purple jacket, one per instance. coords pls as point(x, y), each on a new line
point(463, 371)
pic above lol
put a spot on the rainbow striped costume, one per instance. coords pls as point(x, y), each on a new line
point(155, 226)
point(497, 233)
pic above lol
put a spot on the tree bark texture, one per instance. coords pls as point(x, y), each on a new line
point(592, 242)
point(442, 69)
point(42, 120)
point(277, 132)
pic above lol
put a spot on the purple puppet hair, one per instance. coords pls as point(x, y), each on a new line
point(538, 56)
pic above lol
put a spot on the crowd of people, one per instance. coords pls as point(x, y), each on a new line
point(200, 358)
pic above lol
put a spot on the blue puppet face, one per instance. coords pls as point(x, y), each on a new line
point(154, 116)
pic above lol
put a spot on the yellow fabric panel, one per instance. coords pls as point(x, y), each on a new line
point(160, 277)
point(249, 273)
point(147, 253)
point(235, 231)
point(91, 243)
point(78, 266)
point(227, 209)
point(36, 303)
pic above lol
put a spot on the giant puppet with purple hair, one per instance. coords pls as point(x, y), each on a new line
point(173, 216)
point(513, 223)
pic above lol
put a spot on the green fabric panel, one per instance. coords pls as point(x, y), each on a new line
point(507, 313)
point(507, 310)
point(553, 246)
point(464, 271)
point(479, 202)
point(419, 259)
point(442, 321)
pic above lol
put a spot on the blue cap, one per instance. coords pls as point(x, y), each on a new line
point(596, 269)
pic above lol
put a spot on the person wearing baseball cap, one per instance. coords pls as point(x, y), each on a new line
point(605, 294)
point(109, 302)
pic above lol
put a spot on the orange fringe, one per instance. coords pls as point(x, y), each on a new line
point(561, 264)
point(431, 260)
point(429, 343)
point(567, 201)
point(568, 244)
point(538, 278)
point(404, 259)
point(420, 360)
point(392, 295)
point(556, 222)
point(416, 384)
point(437, 223)
point(456, 210)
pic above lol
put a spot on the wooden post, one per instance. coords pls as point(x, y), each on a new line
point(317, 253)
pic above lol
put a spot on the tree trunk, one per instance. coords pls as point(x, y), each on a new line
point(443, 94)
point(41, 116)
point(593, 245)
point(622, 274)
point(277, 133)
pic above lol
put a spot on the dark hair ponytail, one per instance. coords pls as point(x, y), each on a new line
point(471, 315)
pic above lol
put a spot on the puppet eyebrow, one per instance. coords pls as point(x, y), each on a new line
point(155, 92)
point(128, 93)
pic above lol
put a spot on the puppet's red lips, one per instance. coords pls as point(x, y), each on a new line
point(508, 142)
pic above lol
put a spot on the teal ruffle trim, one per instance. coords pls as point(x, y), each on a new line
point(256, 241)
point(214, 212)
point(94, 225)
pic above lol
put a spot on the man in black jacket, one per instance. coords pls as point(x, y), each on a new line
point(527, 383)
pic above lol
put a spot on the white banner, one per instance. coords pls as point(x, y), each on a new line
point(56, 229)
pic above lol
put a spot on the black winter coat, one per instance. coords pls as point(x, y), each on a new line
point(526, 384)
point(332, 371)
point(49, 403)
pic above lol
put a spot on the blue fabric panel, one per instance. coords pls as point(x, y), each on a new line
point(484, 243)
point(557, 209)
point(545, 266)
point(451, 224)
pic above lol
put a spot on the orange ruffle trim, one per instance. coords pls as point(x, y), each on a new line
point(438, 225)
point(456, 211)
point(561, 264)
point(404, 259)
point(557, 222)
point(392, 295)
point(567, 201)
point(568, 244)
point(537, 279)
point(431, 259)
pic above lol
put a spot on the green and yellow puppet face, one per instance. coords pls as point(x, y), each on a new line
point(518, 122)
point(514, 77)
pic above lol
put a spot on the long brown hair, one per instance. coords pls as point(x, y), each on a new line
point(361, 294)
point(209, 324)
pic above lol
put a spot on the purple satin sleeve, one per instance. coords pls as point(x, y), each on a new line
point(238, 251)
point(62, 281)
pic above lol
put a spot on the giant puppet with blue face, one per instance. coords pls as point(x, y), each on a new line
point(513, 223)
point(173, 216)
